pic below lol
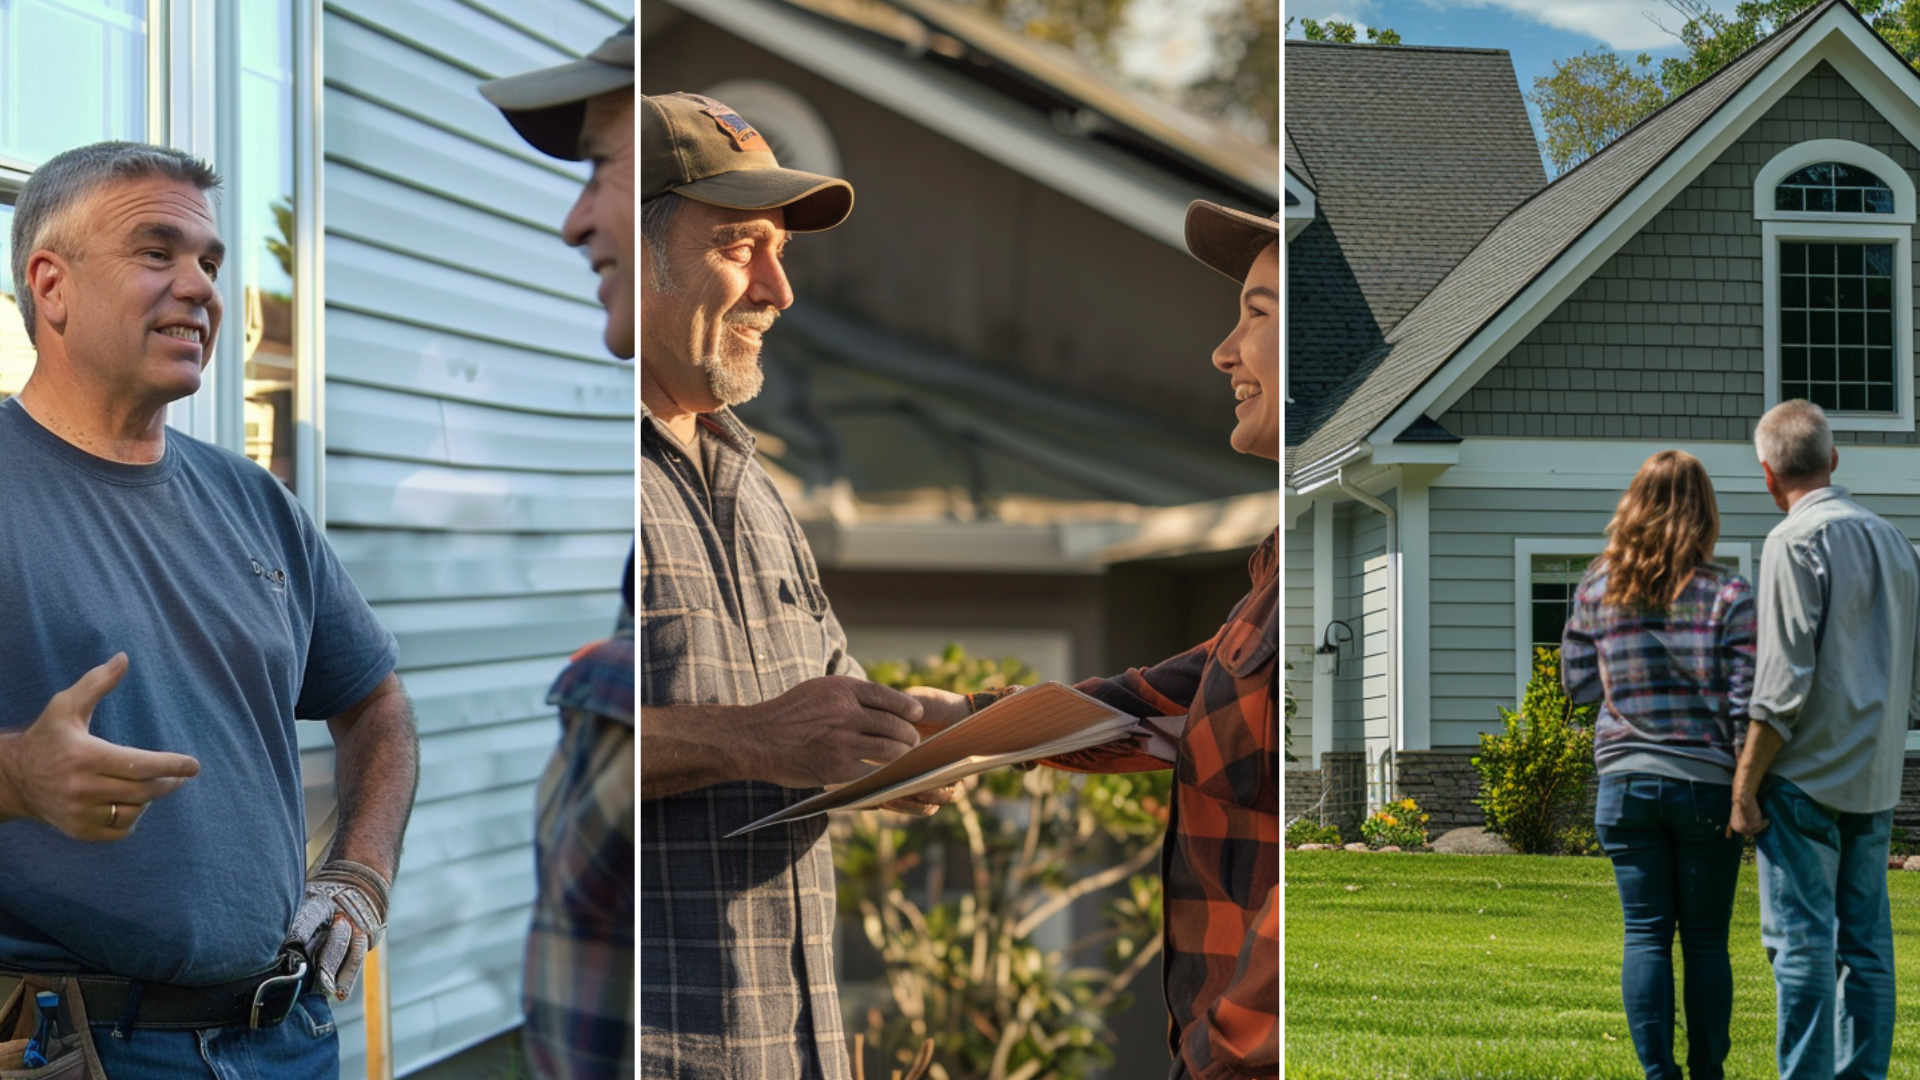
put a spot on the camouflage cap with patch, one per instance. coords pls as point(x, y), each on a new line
point(1228, 240)
point(703, 150)
point(548, 107)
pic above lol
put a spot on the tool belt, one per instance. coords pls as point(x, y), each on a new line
point(261, 1000)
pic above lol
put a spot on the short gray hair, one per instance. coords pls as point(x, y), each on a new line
point(656, 216)
point(1794, 438)
point(45, 218)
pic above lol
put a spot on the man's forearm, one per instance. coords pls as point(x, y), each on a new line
point(1763, 742)
point(685, 747)
point(376, 771)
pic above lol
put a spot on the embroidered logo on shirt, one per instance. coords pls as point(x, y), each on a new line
point(275, 578)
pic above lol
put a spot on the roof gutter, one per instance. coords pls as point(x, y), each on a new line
point(1396, 713)
point(1328, 469)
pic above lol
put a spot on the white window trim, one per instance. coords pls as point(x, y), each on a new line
point(1525, 548)
point(1778, 225)
point(1901, 236)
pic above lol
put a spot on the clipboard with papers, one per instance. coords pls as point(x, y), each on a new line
point(1038, 722)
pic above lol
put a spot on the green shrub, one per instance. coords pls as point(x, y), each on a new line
point(1533, 775)
point(964, 968)
point(1308, 831)
point(1401, 824)
point(1577, 840)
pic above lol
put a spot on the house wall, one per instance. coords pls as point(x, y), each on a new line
point(479, 467)
point(951, 247)
point(1298, 636)
point(1664, 340)
point(1360, 600)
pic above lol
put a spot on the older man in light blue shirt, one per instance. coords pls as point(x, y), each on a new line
point(1839, 593)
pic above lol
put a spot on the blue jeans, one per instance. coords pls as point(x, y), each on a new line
point(1828, 931)
point(304, 1047)
point(1675, 867)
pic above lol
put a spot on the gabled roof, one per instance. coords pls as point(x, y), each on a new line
point(1514, 254)
point(1413, 154)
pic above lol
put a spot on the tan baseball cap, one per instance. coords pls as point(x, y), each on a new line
point(696, 147)
point(1228, 240)
point(548, 107)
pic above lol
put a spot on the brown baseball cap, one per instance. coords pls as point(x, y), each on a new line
point(548, 107)
point(1228, 240)
point(696, 147)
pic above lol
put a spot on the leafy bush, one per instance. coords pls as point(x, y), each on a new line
point(1577, 840)
point(1401, 824)
point(1533, 775)
point(1305, 830)
point(963, 968)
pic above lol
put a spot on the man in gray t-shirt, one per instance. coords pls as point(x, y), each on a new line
point(167, 611)
point(1833, 687)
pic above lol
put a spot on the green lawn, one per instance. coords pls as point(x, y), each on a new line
point(1431, 967)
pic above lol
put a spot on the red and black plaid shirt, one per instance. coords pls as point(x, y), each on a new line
point(1221, 864)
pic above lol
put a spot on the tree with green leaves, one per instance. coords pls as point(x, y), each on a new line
point(1593, 98)
point(1244, 84)
point(1589, 101)
point(1344, 33)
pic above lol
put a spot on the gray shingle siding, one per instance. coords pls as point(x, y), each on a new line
point(1664, 340)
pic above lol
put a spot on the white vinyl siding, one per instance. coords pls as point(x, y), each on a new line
point(479, 468)
point(1300, 636)
point(1360, 690)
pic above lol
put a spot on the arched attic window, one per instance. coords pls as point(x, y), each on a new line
point(1837, 270)
point(1834, 187)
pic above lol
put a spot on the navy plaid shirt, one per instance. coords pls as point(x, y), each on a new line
point(579, 979)
point(736, 934)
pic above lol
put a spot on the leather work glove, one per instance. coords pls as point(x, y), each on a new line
point(342, 916)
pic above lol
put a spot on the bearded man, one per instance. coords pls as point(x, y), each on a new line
point(749, 701)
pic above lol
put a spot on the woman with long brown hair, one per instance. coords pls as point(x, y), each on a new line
point(1663, 637)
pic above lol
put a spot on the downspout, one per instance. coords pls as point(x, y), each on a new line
point(1396, 714)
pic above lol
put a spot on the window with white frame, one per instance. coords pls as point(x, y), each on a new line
point(1836, 265)
point(1546, 573)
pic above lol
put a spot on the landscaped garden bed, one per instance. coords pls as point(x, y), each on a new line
point(1494, 967)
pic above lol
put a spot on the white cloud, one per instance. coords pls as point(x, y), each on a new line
point(1621, 24)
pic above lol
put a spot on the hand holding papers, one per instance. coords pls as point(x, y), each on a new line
point(1038, 722)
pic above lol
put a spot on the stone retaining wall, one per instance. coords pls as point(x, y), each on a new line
point(1444, 783)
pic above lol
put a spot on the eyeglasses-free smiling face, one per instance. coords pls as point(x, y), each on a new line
point(601, 220)
point(1251, 357)
point(136, 305)
point(702, 327)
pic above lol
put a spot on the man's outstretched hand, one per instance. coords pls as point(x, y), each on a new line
point(829, 730)
point(58, 772)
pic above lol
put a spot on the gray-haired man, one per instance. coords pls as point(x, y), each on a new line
point(221, 616)
point(1833, 687)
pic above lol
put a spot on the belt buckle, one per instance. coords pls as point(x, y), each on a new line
point(274, 998)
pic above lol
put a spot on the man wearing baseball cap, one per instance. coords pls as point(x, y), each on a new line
point(750, 702)
point(1220, 867)
point(579, 974)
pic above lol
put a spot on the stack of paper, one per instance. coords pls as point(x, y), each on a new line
point(1038, 722)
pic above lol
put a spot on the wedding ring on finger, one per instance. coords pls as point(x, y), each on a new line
point(113, 815)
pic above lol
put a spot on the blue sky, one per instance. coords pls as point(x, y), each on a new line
point(1535, 32)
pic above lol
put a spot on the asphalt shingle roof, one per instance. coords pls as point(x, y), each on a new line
point(1414, 153)
point(1511, 257)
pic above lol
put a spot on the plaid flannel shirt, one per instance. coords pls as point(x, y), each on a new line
point(1220, 867)
point(579, 975)
point(736, 934)
point(1674, 683)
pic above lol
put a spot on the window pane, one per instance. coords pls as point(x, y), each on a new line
point(1823, 365)
point(1824, 395)
point(1820, 327)
point(1820, 292)
point(263, 189)
point(82, 64)
point(1847, 200)
point(1853, 397)
point(1793, 258)
point(1880, 367)
point(1853, 365)
point(1880, 399)
point(1880, 293)
point(1787, 198)
point(1853, 328)
point(1793, 391)
point(1793, 364)
point(1793, 326)
point(1847, 256)
point(1879, 201)
point(1853, 293)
